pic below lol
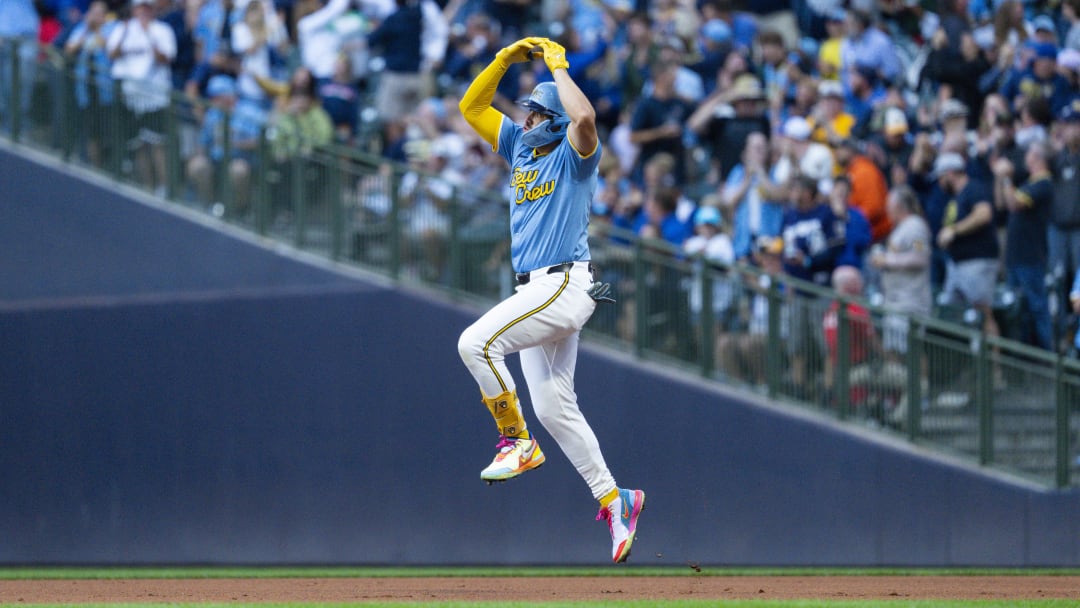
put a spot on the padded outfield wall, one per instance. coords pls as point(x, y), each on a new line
point(172, 394)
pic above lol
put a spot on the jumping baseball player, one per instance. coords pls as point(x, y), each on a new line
point(553, 160)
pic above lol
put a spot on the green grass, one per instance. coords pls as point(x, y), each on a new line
point(27, 573)
point(193, 572)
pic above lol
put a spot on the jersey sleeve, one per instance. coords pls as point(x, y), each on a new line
point(508, 136)
point(583, 167)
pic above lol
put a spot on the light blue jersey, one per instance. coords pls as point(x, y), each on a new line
point(552, 190)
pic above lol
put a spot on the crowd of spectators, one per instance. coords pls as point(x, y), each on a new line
point(929, 149)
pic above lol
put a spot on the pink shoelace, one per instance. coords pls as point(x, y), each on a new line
point(505, 442)
point(604, 515)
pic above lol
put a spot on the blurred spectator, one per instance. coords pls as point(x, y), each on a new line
point(904, 267)
point(183, 20)
point(1040, 79)
point(427, 197)
point(471, 48)
point(891, 146)
point(800, 156)
point(297, 126)
point(852, 229)
point(259, 41)
point(1069, 67)
point(865, 94)
point(774, 67)
point(868, 187)
point(1063, 236)
point(744, 192)
point(245, 120)
point(828, 60)
point(401, 84)
point(319, 39)
point(866, 45)
point(142, 49)
point(862, 340)
point(1034, 123)
point(660, 219)
point(810, 251)
point(1010, 27)
point(726, 119)
point(711, 245)
point(213, 45)
point(714, 43)
point(742, 25)
point(1074, 299)
point(742, 354)
point(93, 79)
point(1070, 12)
point(689, 85)
point(341, 99)
point(829, 122)
point(1044, 30)
point(657, 125)
point(1000, 142)
point(969, 237)
point(636, 57)
point(19, 25)
point(960, 67)
point(1028, 209)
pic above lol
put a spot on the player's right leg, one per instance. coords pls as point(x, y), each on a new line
point(515, 323)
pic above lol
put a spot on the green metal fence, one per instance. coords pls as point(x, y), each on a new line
point(940, 384)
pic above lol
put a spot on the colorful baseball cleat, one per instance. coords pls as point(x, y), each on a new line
point(516, 455)
point(622, 515)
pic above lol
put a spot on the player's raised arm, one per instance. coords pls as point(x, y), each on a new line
point(580, 111)
point(475, 104)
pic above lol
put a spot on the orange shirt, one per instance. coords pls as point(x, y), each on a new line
point(868, 193)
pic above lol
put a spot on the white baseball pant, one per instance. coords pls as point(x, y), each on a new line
point(542, 322)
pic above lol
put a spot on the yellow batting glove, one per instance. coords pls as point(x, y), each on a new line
point(518, 51)
point(554, 55)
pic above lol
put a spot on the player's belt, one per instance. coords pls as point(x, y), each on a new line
point(525, 277)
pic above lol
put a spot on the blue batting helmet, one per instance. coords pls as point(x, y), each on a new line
point(545, 100)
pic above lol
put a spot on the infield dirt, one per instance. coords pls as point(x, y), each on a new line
point(597, 589)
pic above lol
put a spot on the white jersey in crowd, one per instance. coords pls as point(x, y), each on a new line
point(146, 83)
point(905, 280)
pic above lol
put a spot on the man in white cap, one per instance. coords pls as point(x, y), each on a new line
point(801, 156)
point(969, 237)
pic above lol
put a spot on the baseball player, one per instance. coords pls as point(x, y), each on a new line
point(553, 160)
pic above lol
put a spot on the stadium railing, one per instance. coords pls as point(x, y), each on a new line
point(940, 383)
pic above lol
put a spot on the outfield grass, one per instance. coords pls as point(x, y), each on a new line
point(26, 573)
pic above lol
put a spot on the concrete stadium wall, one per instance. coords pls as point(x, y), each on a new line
point(269, 412)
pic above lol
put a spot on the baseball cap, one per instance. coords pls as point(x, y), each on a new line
point(219, 85)
point(1069, 59)
point(773, 245)
point(949, 161)
point(1043, 22)
point(1070, 112)
point(895, 122)
point(830, 88)
point(707, 215)
point(797, 128)
point(716, 30)
point(953, 108)
point(837, 14)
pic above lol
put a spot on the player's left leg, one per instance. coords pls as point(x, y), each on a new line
point(549, 372)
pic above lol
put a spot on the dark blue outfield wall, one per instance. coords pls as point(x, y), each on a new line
point(317, 420)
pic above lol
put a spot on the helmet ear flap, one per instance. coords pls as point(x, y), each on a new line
point(551, 129)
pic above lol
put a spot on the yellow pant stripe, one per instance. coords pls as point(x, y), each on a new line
point(502, 384)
